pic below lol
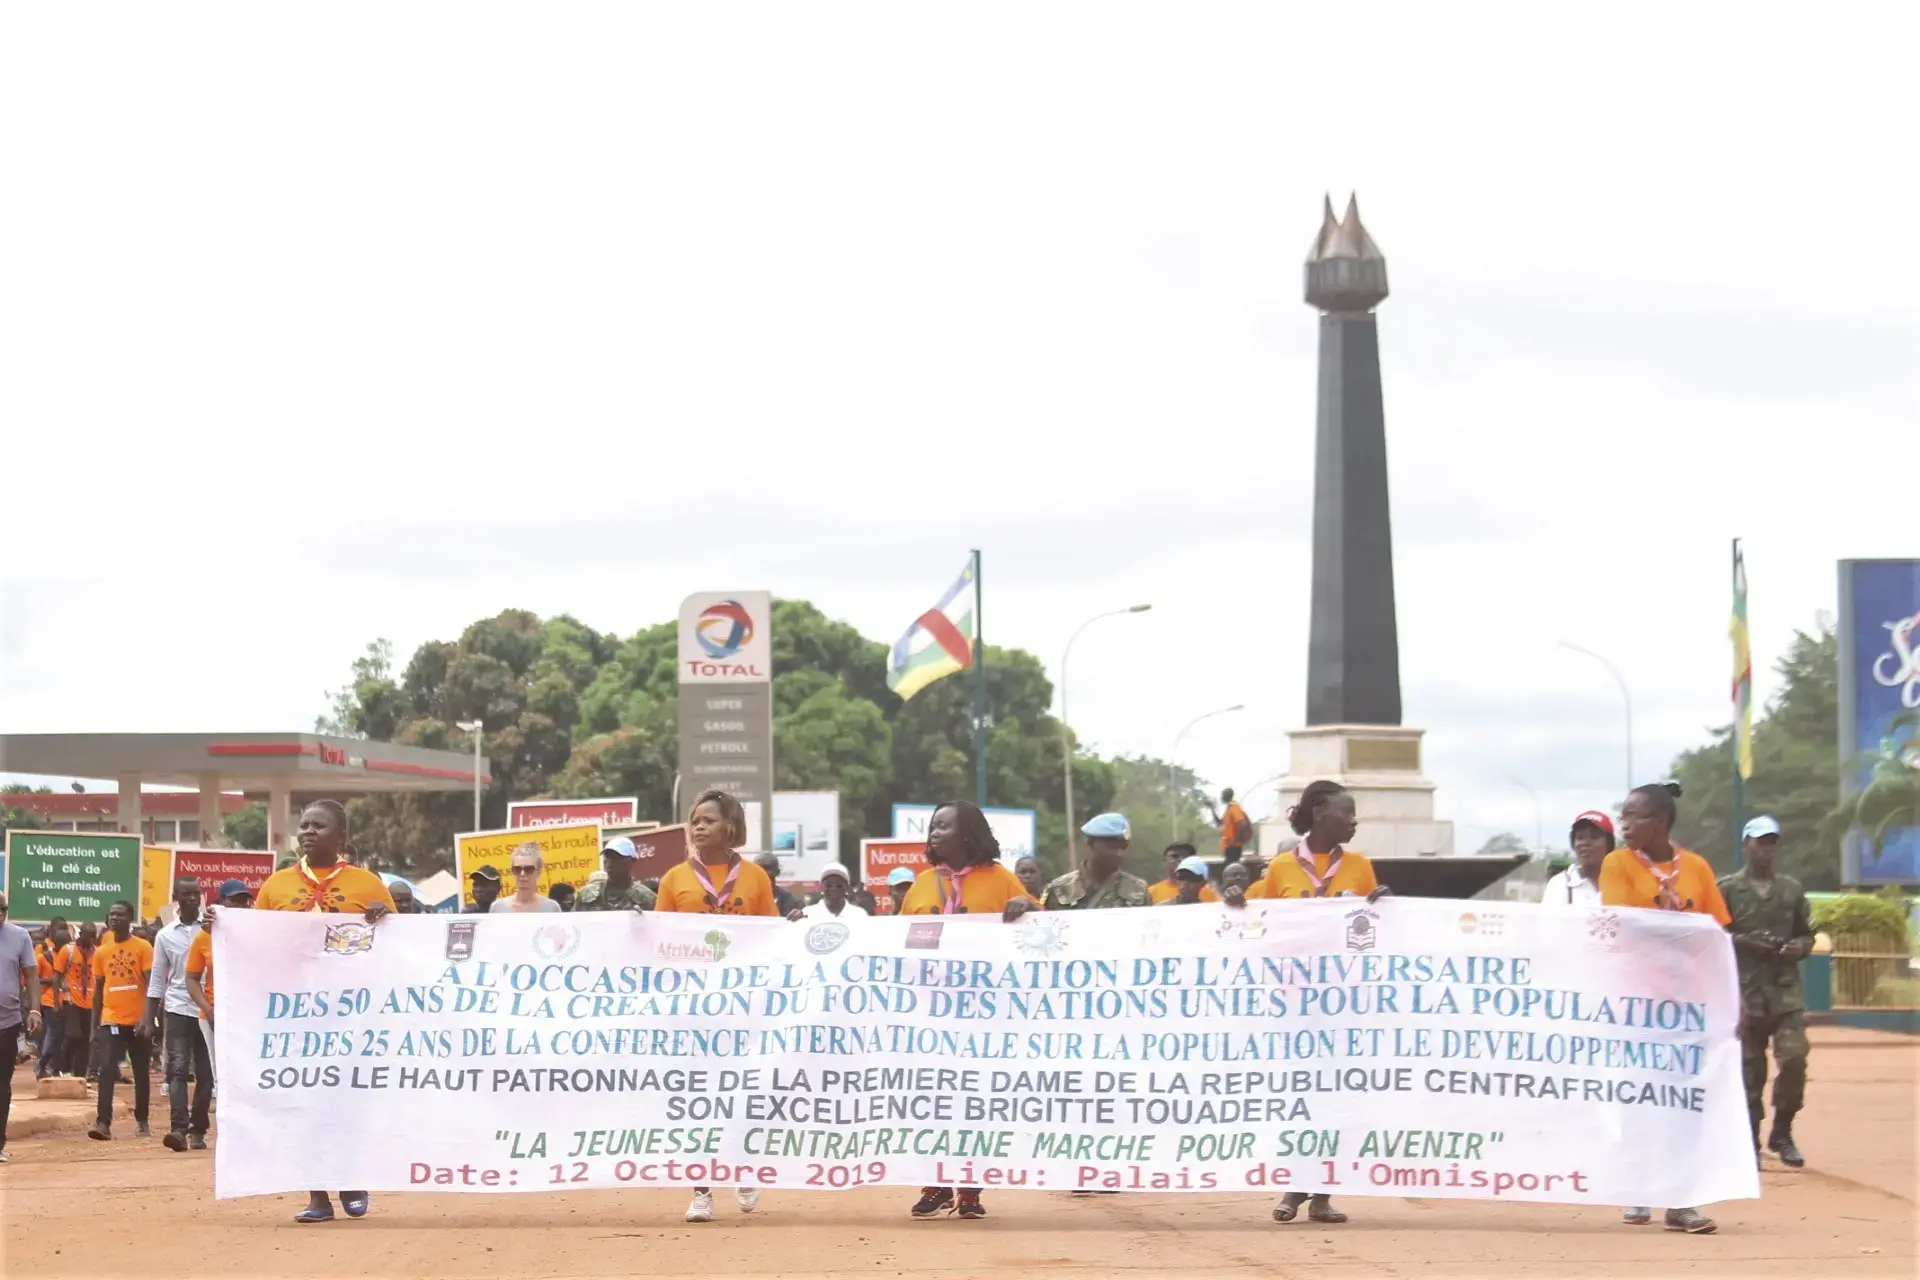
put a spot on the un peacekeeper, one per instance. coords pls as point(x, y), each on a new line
point(1101, 882)
point(619, 891)
point(1772, 933)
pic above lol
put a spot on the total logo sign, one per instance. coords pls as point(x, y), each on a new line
point(726, 637)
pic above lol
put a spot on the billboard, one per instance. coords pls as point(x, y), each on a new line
point(1879, 715)
point(608, 811)
point(806, 834)
point(878, 858)
point(73, 874)
point(1013, 828)
point(725, 669)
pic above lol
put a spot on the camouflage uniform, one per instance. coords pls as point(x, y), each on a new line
point(593, 896)
point(1073, 892)
point(1770, 993)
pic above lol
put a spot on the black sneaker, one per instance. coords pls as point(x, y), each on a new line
point(174, 1141)
point(196, 1142)
point(933, 1202)
point(970, 1206)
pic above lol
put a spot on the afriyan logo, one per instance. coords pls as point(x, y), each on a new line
point(1899, 667)
point(712, 946)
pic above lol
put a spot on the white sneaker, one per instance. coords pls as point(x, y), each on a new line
point(749, 1198)
point(701, 1210)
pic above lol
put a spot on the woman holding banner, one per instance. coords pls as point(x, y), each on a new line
point(322, 880)
point(1321, 866)
point(716, 880)
point(965, 877)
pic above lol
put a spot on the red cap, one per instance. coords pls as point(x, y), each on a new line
point(1597, 818)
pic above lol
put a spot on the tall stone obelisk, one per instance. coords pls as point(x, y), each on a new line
point(1353, 734)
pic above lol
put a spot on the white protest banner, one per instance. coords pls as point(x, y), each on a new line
point(1413, 1047)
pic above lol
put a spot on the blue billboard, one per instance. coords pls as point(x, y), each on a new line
point(1880, 714)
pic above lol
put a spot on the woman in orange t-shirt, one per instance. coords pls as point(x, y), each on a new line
point(965, 877)
point(1650, 871)
point(716, 880)
point(1320, 866)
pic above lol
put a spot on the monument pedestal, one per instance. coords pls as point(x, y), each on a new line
point(1380, 765)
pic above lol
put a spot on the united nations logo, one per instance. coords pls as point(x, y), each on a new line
point(347, 939)
point(556, 941)
point(1041, 934)
point(827, 937)
point(1603, 931)
point(1362, 929)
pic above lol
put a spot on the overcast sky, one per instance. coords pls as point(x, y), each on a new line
point(331, 322)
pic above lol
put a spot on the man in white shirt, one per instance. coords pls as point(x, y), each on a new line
point(186, 1049)
point(1578, 887)
point(833, 904)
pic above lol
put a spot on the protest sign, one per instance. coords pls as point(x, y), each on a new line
point(1413, 1047)
point(214, 867)
point(608, 811)
point(569, 853)
point(659, 848)
point(156, 881)
point(879, 857)
point(73, 874)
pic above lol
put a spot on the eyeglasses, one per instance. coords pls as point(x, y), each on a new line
point(526, 871)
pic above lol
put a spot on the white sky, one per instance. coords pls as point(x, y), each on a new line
point(325, 323)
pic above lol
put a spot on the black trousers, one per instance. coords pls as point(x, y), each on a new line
point(187, 1054)
point(120, 1042)
point(9, 1050)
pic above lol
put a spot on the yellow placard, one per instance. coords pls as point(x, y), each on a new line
point(569, 854)
point(156, 881)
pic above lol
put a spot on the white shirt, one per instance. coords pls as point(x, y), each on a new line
point(170, 968)
point(1569, 890)
point(820, 911)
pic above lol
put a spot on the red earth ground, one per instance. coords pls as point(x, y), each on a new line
point(131, 1209)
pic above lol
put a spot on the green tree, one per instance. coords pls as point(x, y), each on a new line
point(1796, 771)
point(1141, 791)
point(246, 828)
point(16, 817)
point(360, 700)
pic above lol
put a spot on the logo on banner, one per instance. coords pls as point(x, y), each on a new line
point(723, 629)
point(1899, 667)
point(827, 937)
point(1362, 929)
point(1041, 935)
point(1244, 925)
point(347, 939)
point(924, 935)
point(556, 941)
point(1603, 931)
point(712, 946)
point(460, 940)
point(1486, 924)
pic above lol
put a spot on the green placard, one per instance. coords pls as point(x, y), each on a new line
point(74, 874)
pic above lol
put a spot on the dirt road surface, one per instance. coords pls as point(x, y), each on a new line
point(70, 1207)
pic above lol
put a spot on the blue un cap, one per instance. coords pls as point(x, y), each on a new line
point(1194, 866)
point(1107, 826)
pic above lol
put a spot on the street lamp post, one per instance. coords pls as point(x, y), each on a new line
point(1066, 728)
point(1539, 826)
point(1626, 696)
point(474, 727)
point(1173, 786)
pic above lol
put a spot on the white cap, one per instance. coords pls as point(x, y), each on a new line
point(1760, 826)
point(834, 869)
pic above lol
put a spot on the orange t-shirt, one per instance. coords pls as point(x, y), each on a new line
point(751, 895)
point(124, 967)
point(80, 977)
point(1625, 881)
point(1258, 889)
point(1286, 878)
point(200, 960)
point(1166, 891)
point(49, 961)
point(986, 890)
point(1231, 821)
point(349, 891)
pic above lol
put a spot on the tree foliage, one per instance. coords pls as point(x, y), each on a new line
point(1796, 770)
point(568, 711)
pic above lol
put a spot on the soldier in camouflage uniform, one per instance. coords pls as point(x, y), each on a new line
point(619, 891)
point(1772, 933)
point(1102, 882)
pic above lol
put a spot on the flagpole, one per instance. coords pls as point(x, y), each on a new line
point(1739, 798)
point(979, 687)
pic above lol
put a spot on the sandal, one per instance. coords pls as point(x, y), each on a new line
point(311, 1215)
point(1320, 1209)
point(1289, 1207)
point(355, 1203)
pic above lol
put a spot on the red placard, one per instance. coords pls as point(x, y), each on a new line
point(214, 867)
point(608, 811)
point(879, 857)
